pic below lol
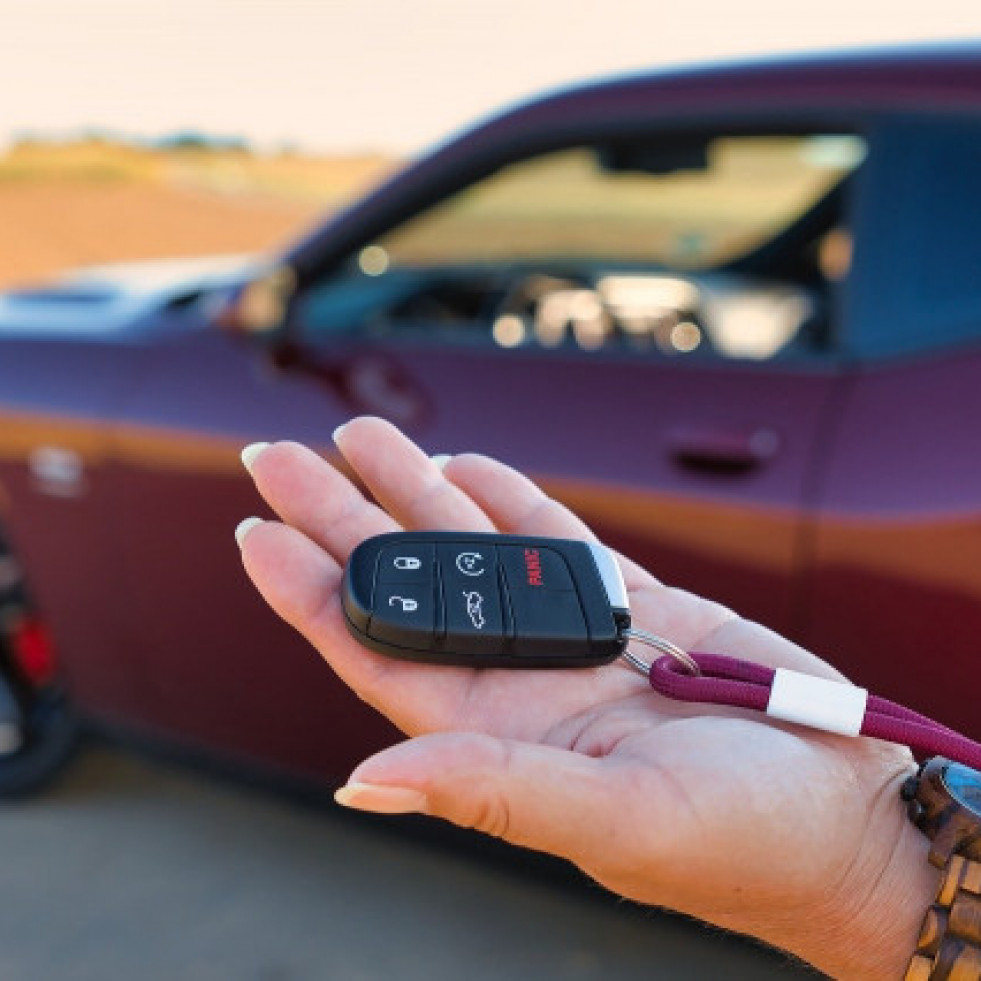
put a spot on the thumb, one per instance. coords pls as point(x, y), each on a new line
point(537, 796)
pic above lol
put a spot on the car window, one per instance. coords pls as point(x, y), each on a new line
point(919, 284)
point(726, 245)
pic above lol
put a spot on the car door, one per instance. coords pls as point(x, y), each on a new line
point(642, 394)
point(896, 600)
point(224, 673)
point(569, 317)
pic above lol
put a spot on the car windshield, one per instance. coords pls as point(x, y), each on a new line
point(688, 205)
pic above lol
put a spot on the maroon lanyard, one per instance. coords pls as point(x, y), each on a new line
point(795, 697)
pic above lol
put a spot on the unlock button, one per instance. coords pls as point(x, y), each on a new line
point(401, 611)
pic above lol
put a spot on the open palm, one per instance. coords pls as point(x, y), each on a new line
point(715, 812)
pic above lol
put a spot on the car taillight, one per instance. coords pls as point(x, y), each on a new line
point(33, 650)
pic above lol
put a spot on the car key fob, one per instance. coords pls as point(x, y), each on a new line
point(486, 600)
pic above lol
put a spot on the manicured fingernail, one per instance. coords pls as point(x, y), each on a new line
point(441, 459)
point(382, 800)
point(244, 527)
point(251, 453)
point(337, 432)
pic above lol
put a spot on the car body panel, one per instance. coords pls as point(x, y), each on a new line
point(896, 591)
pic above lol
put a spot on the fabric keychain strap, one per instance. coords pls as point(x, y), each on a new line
point(832, 706)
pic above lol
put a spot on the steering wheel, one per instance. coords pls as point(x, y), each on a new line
point(527, 297)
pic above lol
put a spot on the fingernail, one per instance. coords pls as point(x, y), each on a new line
point(337, 432)
point(244, 527)
point(251, 453)
point(381, 800)
point(441, 459)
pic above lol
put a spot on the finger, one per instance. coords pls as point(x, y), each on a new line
point(310, 495)
point(511, 500)
point(518, 506)
point(701, 625)
point(300, 581)
point(751, 641)
point(295, 576)
point(405, 481)
point(536, 796)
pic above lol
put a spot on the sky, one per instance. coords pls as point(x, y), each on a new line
point(384, 75)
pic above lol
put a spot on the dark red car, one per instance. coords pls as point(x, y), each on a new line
point(731, 316)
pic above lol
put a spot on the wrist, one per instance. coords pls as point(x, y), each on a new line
point(889, 925)
point(873, 920)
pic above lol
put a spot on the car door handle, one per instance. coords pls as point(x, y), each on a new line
point(367, 382)
point(378, 385)
point(722, 449)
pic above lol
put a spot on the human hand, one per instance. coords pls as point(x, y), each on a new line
point(788, 834)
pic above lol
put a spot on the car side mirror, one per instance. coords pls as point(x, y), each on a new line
point(259, 306)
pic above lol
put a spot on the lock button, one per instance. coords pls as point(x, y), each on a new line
point(401, 611)
point(412, 562)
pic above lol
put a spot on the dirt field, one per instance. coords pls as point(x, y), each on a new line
point(67, 206)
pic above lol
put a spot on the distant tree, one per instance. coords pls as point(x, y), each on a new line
point(195, 140)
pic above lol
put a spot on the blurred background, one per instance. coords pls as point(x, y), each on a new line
point(179, 128)
point(193, 127)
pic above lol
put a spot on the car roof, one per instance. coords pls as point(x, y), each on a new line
point(951, 70)
point(935, 77)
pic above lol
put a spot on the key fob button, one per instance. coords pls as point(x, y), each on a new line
point(534, 567)
point(469, 562)
point(403, 614)
point(411, 562)
point(473, 616)
point(471, 597)
point(546, 621)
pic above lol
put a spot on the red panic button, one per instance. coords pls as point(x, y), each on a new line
point(535, 568)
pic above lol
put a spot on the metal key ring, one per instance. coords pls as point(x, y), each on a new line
point(660, 644)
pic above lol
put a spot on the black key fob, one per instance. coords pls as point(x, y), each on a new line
point(486, 600)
